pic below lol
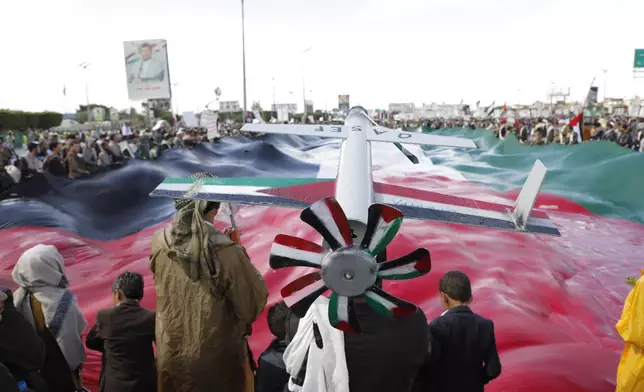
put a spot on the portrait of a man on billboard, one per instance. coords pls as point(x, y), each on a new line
point(148, 69)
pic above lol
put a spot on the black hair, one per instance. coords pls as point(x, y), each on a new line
point(456, 285)
point(53, 145)
point(130, 284)
point(276, 317)
point(145, 45)
point(212, 205)
point(32, 146)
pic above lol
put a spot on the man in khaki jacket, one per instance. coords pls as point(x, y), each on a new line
point(208, 296)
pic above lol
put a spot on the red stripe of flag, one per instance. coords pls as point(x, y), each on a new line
point(298, 243)
point(388, 213)
point(575, 121)
point(395, 190)
point(300, 283)
point(340, 219)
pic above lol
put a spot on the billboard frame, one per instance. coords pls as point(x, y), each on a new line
point(638, 64)
point(167, 80)
point(342, 103)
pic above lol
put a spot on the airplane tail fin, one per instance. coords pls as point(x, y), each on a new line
point(528, 194)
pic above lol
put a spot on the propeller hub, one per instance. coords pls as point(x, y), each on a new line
point(349, 271)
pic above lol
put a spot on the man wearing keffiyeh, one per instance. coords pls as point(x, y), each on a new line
point(208, 296)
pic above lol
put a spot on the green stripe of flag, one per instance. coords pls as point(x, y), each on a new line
point(248, 181)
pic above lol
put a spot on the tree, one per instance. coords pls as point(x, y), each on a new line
point(163, 114)
point(81, 112)
point(48, 120)
point(20, 121)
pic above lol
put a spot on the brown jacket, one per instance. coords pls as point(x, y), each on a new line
point(201, 325)
point(76, 165)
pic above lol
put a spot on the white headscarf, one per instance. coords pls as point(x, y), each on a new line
point(326, 368)
point(41, 271)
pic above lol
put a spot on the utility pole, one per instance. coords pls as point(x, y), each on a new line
point(274, 107)
point(605, 71)
point(304, 52)
point(84, 65)
point(176, 101)
point(243, 54)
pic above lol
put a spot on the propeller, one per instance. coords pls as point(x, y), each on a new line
point(350, 271)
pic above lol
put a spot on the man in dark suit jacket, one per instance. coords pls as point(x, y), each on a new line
point(271, 374)
point(54, 162)
point(463, 354)
point(125, 334)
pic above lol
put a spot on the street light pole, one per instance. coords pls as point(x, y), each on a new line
point(274, 107)
point(243, 54)
point(176, 101)
point(604, 71)
point(84, 65)
point(304, 52)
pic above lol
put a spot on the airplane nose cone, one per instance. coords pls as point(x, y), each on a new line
point(357, 109)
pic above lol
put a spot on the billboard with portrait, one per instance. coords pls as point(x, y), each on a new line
point(343, 103)
point(146, 68)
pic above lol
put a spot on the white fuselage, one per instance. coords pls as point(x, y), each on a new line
point(354, 182)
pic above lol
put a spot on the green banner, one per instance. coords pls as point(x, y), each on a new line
point(639, 59)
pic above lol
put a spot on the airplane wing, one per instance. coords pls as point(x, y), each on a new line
point(278, 192)
point(375, 133)
point(382, 134)
point(333, 131)
point(420, 204)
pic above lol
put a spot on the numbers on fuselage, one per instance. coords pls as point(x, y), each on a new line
point(400, 135)
point(358, 128)
point(334, 129)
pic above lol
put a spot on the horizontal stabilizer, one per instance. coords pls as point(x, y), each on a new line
point(333, 131)
point(277, 192)
point(374, 133)
point(429, 205)
point(528, 195)
point(382, 134)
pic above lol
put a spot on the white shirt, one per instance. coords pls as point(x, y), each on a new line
point(150, 69)
point(126, 131)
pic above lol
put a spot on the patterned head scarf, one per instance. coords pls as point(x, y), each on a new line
point(180, 203)
point(189, 235)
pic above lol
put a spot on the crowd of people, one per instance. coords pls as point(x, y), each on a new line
point(79, 155)
point(628, 132)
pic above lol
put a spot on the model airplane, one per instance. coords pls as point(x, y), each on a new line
point(357, 217)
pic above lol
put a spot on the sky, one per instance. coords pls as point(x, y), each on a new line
point(377, 51)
